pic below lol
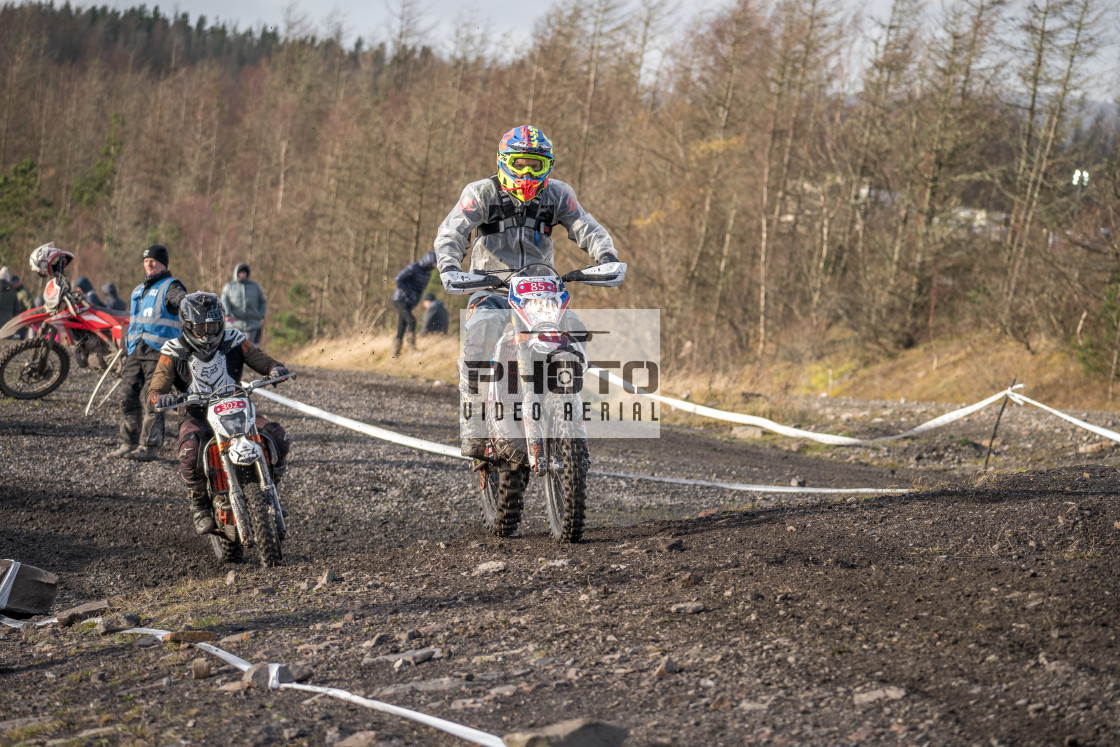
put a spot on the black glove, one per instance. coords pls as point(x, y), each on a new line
point(607, 259)
point(277, 372)
point(167, 400)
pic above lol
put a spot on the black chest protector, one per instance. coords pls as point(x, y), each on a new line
point(507, 214)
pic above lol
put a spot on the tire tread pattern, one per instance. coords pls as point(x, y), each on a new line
point(262, 517)
point(507, 486)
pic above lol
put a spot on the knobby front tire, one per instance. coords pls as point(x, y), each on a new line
point(565, 489)
point(262, 516)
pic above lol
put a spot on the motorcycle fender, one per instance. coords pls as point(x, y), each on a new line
point(244, 452)
point(26, 319)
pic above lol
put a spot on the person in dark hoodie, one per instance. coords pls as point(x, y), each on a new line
point(10, 304)
point(26, 303)
point(86, 287)
point(153, 320)
point(410, 282)
point(435, 316)
point(113, 302)
point(245, 304)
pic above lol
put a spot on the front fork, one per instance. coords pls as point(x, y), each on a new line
point(237, 496)
point(268, 487)
point(237, 500)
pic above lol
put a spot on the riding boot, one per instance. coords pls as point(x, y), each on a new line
point(412, 339)
point(203, 512)
point(396, 347)
point(472, 426)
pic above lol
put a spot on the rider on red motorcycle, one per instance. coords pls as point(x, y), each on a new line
point(205, 357)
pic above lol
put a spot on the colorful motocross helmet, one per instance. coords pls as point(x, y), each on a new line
point(49, 261)
point(202, 322)
point(524, 162)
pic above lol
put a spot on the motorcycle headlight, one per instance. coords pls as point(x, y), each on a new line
point(542, 311)
point(234, 423)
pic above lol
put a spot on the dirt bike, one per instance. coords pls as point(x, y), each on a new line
point(38, 365)
point(237, 462)
point(549, 439)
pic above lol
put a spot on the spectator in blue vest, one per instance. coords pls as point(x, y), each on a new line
point(410, 282)
point(153, 320)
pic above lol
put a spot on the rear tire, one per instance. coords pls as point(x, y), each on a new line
point(502, 494)
point(226, 550)
point(262, 517)
point(25, 375)
point(565, 490)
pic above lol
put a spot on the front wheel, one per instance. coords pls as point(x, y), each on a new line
point(502, 492)
point(262, 518)
point(565, 488)
point(33, 368)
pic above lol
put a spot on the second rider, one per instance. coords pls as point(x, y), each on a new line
point(205, 357)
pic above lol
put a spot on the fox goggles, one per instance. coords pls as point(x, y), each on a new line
point(527, 164)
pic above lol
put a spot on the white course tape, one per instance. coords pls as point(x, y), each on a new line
point(751, 488)
point(785, 430)
point(369, 430)
point(8, 582)
point(458, 730)
point(451, 451)
point(1020, 399)
point(239, 663)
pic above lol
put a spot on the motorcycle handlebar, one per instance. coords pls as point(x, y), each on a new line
point(195, 399)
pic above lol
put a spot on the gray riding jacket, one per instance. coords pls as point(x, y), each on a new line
point(514, 242)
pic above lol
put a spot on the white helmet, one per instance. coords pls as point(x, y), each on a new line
point(48, 260)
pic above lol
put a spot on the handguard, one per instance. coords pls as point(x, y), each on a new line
point(458, 283)
point(608, 274)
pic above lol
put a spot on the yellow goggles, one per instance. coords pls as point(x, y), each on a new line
point(527, 163)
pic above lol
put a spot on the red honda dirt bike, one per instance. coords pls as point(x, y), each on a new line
point(38, 365)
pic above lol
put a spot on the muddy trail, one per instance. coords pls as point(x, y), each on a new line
point(974, 609)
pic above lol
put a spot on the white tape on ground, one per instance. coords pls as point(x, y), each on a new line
point(785, 430)
point(753, 488)
point(458, 730)
point(1021, 399)
point(369, 430)
point(451, 451)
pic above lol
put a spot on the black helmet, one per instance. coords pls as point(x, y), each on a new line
point(202, 321)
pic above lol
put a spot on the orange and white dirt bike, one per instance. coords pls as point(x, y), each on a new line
point(38, 365)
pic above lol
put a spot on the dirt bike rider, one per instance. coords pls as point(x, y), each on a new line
point(204, 357)
point(514, 212)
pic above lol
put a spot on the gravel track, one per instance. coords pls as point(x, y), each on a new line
point(978, 609)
